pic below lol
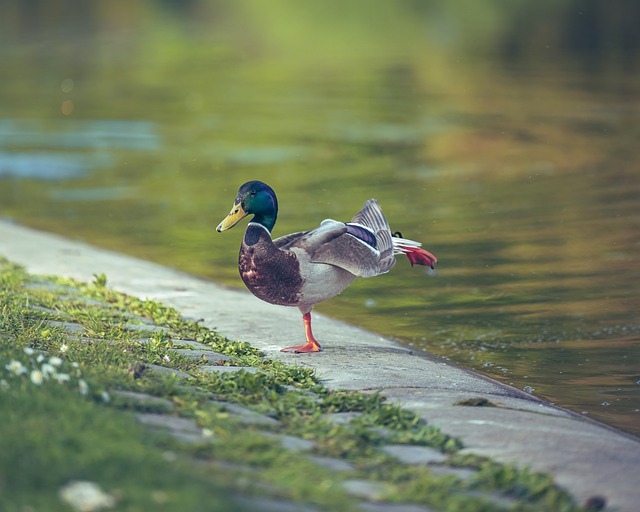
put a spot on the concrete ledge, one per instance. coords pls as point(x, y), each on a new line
point(584, 456)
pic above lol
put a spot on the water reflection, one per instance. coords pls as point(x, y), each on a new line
point(85, 134)
point(47, 165)
point(512, 165)
point(97, 138)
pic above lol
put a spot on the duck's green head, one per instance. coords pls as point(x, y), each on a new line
point(254, 198)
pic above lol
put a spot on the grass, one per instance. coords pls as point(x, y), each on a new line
point(65, 420)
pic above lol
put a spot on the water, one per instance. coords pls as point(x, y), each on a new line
point(132, 127)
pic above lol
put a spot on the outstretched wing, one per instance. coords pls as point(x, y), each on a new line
point(356, 249)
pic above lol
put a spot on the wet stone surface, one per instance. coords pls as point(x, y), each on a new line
point(341, 418)
point(178, 344)
point(392, 507)
point(180, 428)
point(245, 415)
point(367, 489)
point(147, 328)
point(408, 454)
point(255, 504)
point(42, 309)
point(70, 327)
point(292, 443)
point(227, 369)
point(142, 399)
point(207, 355)
point(167, 371)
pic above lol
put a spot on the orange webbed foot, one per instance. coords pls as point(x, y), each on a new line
point(302, 349)
point(312, 345)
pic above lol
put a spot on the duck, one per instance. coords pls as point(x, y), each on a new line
point(305, 268)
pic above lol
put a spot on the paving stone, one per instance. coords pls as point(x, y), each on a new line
point(85, 300)
point(180, 428)
point(142, 398)
point(368, 489)
point(227, 369)
point(45, 310)
point(84, 339)
point(245, 415)
point(167, 371)
point(295, 444)
point(209, 355)
point(191, 343)
point(409, 454)
point(261, 504)
point(135, 318)
point(146, 327)
point(70, 327)
point(332, 463)
point(168, 422)
point(341, 418)
point(309, 394)
point(392, 507)
point(44, 285)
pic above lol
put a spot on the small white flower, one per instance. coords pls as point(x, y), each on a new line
point(40, 358)
point(63, 348)
point(29, 351)
point(207, 432)
point(36, 377)
point(16, 367)
point(75, 364)
point(83, 387)
point(166, 358)
point(86, 496)
point(55, 361)
point(4, 384)
point(106, 398)
point(61, 377)
point(47, 370)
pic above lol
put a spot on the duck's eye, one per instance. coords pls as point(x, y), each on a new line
point(253, 193)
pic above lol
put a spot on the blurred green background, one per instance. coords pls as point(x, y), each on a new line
point(502, 134)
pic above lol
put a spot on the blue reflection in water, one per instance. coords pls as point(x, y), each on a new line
point(86, 134)
point(49, 165)
point(35, 142)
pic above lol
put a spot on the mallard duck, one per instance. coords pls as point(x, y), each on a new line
point(305, 268)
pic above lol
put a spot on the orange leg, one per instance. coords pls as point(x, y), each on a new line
point(312, 345)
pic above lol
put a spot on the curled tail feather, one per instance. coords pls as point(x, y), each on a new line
point(414, 253)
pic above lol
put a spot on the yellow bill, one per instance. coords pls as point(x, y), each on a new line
point(235, 215)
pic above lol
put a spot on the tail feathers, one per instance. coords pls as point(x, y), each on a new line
point(414, 253)
point(372, 217)
point(373, 220)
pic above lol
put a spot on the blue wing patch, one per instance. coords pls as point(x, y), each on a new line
point(362, 233)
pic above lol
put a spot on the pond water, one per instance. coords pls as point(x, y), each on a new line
point(132, 126)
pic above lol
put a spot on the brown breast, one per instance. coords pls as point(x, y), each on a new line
point(271, 274)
